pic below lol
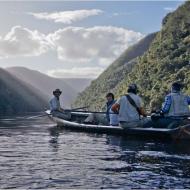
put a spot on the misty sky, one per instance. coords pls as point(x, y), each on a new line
point(74, 39)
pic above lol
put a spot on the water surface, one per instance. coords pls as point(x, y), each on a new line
point(35, 154)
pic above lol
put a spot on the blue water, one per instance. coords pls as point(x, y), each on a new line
point(35, 154)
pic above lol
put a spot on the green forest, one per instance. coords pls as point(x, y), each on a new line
point(165, 58)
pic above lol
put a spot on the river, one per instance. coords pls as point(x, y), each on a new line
point(35, 154)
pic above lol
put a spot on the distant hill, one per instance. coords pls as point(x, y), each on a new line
point(18, 97)
point(46, 84)
point(166, 59)
point(94, 95)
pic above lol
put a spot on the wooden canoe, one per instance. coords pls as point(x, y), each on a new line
point(180, 132)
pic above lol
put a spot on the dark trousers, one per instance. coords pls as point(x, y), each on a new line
point(169, 123)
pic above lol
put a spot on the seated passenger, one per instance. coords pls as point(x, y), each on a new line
point(176, 103)
point(130, 109)
point(175, 106)
point(112, 117)
point(109, 118)
point(55, 106)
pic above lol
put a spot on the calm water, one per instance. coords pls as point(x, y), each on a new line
point(35, 154)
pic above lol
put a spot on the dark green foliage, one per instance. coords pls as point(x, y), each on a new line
point(94, 95)
point(166, 60)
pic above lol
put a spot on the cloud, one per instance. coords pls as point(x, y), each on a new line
point(77, 46)
point(124, 13)
point(67, 17)
point(22, 42)
point(76, 72)
point(98, 44)
point(170, 9)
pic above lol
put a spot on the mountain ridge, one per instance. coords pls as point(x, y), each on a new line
point(17, 96)
point(113, 75)
point(46, 84)
point(166, 60)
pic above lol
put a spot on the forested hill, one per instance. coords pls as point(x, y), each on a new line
point(18, 97)
point(166, 60)
point(94, 95)
point(46, 84)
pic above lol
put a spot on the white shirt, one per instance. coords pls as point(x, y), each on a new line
point(54, 104)
point(127, 112)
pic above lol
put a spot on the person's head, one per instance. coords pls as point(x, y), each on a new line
point(57, 92)
point(132, 88)
point(176, 87)
point(110, 97)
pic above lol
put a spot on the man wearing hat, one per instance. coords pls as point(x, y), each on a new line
point(55, 106)
point(130, 109)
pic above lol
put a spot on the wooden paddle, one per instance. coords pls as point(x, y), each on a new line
point(46, 114)
point(37, 116)
point(93, 112)
point(75, 109)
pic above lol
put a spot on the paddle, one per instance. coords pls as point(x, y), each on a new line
point(46, 114)
point(74, 109)
point(37, 116)
point(93, 112)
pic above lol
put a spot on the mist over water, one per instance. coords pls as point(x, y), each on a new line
point(35, 154)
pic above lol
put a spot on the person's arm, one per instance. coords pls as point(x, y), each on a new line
point(141, 107)
point(142, 112)
point(115, 108)
point(188, 100)
point(51, 105)
point(166, 105)
point(58, 106)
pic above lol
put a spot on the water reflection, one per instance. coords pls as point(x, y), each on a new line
point(153, 162)
point(170, 147)
point(54, 134)
point(37, 154)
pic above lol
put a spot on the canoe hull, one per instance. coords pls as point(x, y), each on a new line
point(182, 132)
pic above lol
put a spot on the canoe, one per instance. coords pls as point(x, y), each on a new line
point(75, 124)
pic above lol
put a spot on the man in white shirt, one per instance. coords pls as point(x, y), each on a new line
point(55, 106)
point(130, 109)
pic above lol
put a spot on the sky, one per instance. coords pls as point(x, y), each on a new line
point(74, 39)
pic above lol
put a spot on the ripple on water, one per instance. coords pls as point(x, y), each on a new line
point(34, 154)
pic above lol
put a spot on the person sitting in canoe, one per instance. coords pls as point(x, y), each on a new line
point(176, 103)
point(130, 109)
point(55, 106)
point(112, 118)
point(109, 118)
point(174, 109)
